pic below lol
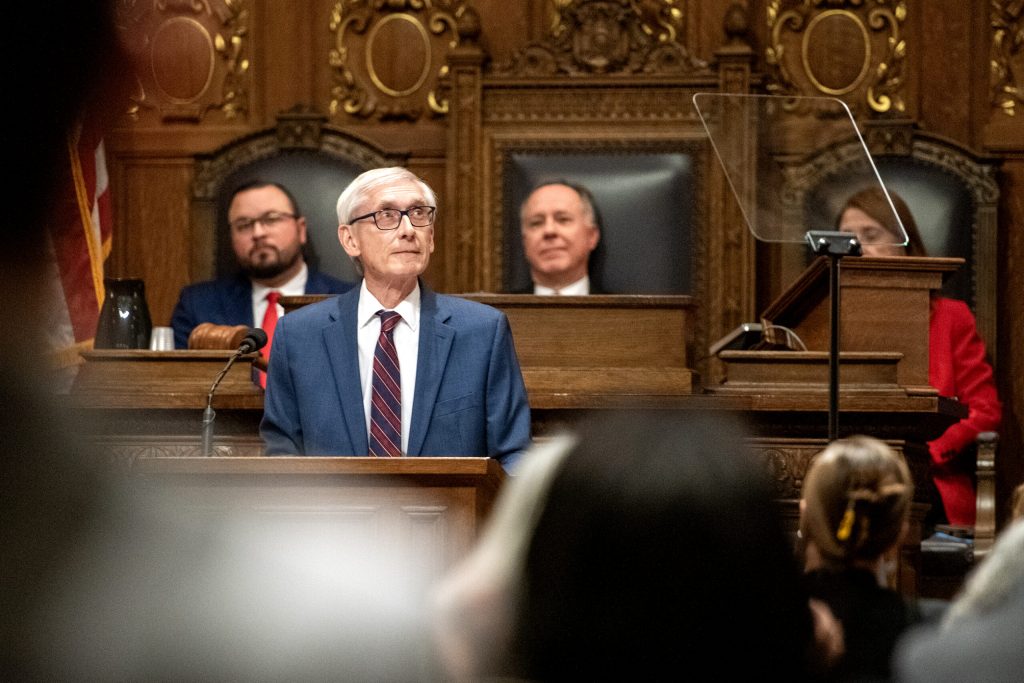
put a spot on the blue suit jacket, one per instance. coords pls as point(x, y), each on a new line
point(469, 399)
point(228, 301)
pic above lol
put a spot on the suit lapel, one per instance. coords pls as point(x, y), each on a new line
point(435, 344)
point(341, 341)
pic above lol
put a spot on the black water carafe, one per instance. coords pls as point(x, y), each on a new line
point(124, 318)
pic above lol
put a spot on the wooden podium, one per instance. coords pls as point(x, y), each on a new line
point(431, 508)
point(884, 317)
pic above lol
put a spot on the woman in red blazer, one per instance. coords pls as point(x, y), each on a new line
point(956, 354)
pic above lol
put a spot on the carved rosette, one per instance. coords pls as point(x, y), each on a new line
point(868, 73)
point(190, 57)
point(606, 37)
point(389, 56)
point(1007, 63)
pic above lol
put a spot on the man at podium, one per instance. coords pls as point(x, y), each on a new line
point(390, 368)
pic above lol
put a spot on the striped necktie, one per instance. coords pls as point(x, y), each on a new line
point(386, 392)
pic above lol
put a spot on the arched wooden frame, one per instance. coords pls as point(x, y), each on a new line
point(300, 131)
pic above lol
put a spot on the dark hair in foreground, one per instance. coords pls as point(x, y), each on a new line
point(659, 550)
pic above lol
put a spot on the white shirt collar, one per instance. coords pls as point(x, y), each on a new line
point(579, 288)
point(408, 308)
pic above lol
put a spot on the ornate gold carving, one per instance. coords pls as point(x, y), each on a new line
point(1007, 55)
point(388, 57)
point(189, 56)
point(850, 49)
point(634, 103)
point(607, 36)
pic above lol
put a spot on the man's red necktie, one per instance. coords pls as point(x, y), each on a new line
point(269, 323)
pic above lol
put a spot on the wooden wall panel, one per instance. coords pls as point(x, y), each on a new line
point(153, 235)
point(947, 42)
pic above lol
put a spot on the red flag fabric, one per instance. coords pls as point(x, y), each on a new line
point(79, 240)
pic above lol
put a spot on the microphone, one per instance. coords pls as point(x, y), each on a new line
point(254, 340)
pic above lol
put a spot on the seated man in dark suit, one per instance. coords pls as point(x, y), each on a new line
point(267, 234)
point(390, 368)
point(560, 229)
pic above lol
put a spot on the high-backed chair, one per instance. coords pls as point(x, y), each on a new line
point(952, 192)
point(615, 114)
point(313, 160)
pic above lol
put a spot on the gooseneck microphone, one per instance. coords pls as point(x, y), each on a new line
point(254, 340)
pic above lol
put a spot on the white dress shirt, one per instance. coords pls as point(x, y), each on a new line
point(294, 287)
point(578, 288)
point(407, 344)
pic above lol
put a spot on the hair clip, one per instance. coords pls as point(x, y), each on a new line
point(846, 525)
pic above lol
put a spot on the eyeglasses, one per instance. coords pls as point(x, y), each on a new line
point(270, 220)
point(390, 219)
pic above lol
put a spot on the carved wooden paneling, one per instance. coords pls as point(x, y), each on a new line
point(1007, 57)
point(607, 36)
point(1005, 127)
point(868, 72)
point(191, 57)
point(373, 78)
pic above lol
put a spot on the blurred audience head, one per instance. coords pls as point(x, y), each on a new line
point(651, 544)
point(856, 501)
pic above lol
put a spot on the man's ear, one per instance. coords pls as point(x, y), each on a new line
point(301, 223)
point(348, 240)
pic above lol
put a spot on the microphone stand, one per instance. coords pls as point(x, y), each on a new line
point(253, 341)
point(835, 245)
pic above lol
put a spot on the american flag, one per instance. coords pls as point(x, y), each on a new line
point(78, 242)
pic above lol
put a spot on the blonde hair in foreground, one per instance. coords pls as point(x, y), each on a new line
point(857, 495)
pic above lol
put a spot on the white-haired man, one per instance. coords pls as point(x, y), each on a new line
point(391, 368)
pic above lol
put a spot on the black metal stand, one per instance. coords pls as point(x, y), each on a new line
point(835, 245)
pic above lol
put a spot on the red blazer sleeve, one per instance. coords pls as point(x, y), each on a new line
point(958, 369)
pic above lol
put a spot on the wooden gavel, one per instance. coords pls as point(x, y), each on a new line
point(207, 336)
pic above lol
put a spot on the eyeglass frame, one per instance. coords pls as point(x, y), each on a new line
point(269, 219)
point(373, 215)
